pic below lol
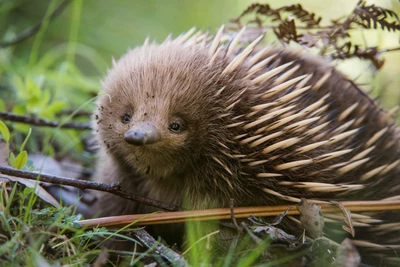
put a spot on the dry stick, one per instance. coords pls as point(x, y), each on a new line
point(33, 120)
point(35, 29)
point(183, 216)
point(233, 218)
point(240, 212)
point(165, 252)
point(179, 216)
point(255, 238)
point(394, 49)
point(114, 188)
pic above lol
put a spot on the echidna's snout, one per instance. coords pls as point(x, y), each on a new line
point(142, 133)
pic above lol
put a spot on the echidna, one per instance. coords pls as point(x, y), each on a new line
point(196, 121)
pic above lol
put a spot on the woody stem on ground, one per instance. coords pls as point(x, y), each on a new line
point(33, 120)
point(114, 188)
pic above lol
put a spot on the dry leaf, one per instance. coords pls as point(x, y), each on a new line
point(279, 218)
point(311, 218)
point(347, 218)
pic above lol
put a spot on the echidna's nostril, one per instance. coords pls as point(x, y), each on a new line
point(142, 133)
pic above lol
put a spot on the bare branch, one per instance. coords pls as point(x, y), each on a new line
point(114, 188)
point(165, 252)
point(33, 120)
point(395, 49)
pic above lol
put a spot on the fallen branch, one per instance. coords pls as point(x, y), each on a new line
point(35, 29)
point(32, 120)
point(165, 252)
point(114, 188)
point(240, 212)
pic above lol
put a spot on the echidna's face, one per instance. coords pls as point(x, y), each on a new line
point(154, 105)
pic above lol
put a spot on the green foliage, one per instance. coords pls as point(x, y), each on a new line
point(4, 131)
point(21, 149)
point(2, 105)
point(25, 227)
point(45, 96)
point(35, 98)
point(32, 233)
point(47, 84)
point(11, 159)
point(21, 159)
point(199, 252)
point(237, 249)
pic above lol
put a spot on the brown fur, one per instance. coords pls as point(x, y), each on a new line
point(207, 164)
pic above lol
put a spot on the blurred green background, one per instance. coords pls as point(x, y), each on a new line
point(61, 67)
point(108, 28)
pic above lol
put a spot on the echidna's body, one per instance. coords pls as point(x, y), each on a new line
point(196, 123)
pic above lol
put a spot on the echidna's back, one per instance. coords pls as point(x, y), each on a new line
point(375, 145)
point(320, 137)
point(320, 129)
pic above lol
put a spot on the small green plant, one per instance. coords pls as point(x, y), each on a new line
point(19, 161)
point(33, 235)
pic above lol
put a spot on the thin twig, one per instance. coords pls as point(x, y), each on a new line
point(33, 120)
point(114, 188)
point(394, 49)
point(255, 238)
point(233, 218)
point(35, 29)
point(165, 252)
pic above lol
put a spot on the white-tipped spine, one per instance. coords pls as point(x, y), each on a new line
point(239, 59)
point(215, 43)
point(234, 42)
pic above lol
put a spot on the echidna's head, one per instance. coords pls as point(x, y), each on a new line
point(159, 113)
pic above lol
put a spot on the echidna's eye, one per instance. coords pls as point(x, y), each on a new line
point(175, 127)
point(126, 118)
